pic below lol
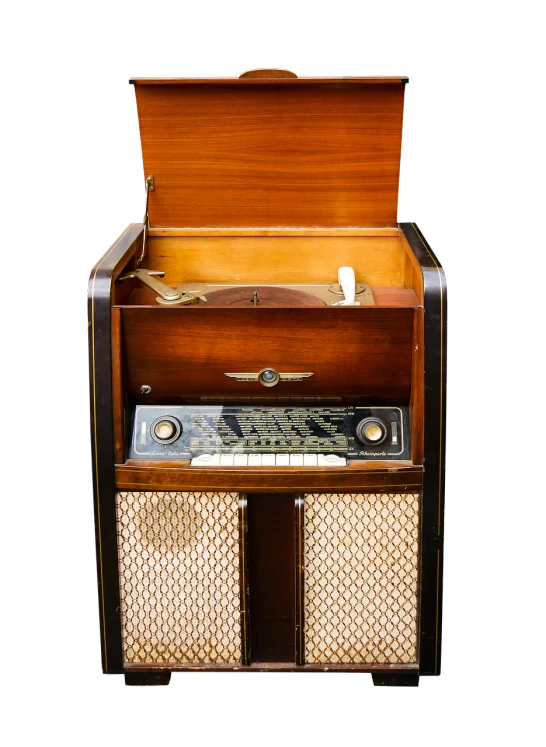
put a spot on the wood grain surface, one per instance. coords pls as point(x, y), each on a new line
point(185, 352)
point(383, 295)
point(381, 477)
point(268, 73)
point(272, 154)
point(377, 260)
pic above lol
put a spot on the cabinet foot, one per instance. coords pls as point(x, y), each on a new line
point(147, 678)
point(383, 679)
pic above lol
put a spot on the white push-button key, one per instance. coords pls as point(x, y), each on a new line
point(331, 460)
point(269, 460)
point(206, 460)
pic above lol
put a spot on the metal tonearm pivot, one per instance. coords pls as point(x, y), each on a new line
point(165, 293)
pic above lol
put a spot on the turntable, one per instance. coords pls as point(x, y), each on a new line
point(267, 359)
point(347, 289)
point(265, 296)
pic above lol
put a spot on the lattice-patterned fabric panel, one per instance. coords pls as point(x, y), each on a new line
point(361, 556)
point(179, 577)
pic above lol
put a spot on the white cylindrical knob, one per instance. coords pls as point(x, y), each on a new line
point(347, 280)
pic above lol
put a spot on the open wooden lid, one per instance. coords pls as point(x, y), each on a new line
point(269, 149)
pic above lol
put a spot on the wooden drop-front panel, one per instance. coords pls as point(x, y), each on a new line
point(183, 354)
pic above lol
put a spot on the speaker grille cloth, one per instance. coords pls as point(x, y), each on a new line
point(361, 576)
point(179, 577)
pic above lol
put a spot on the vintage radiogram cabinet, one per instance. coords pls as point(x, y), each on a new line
point(268, 362)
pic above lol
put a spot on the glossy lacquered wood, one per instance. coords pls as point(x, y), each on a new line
point(272, 577)
point(354, 80)
point(103, 438)
point(184, 353)
point(417, 400)
point(275, 231)
point(267, 179)
point(277, 667)
point(377, 477)
point(268, 73)
point(118, 389)
point(299, 544)
point(432, 420)
point(377, 260)
point(277, 154)
point(394, 297)
point(388, 296)
point(244, 588)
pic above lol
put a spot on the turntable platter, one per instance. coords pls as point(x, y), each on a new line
point(261, 296)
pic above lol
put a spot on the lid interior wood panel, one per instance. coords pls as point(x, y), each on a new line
point(290, 154)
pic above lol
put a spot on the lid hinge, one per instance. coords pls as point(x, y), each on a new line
point(150, 187)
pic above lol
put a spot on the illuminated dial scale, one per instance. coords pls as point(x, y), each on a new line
point(279, 436)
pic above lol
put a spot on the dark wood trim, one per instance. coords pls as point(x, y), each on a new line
point(131, 476)
point(148, 679)
point(117, 388)
point(272, 578)
point(243, 580)
point(346, 80)
point(279, 667)
point(417, 389)
point(385, 679)
point(299, 508)
point(435, 349)
point(102, 438)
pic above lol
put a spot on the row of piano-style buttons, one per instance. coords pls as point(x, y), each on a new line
point(268, 460)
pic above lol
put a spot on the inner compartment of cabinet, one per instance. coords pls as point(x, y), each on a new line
point(360, 354)
point(313, 576)
point(272, 574)
point(284, 257)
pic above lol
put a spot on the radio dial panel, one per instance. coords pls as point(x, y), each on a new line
point(348, 432)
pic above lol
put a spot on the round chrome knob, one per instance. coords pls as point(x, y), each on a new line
point(371, 431)
point(166, 429)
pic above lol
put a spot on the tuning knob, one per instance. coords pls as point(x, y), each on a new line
point(166, 429)
point(371, 431)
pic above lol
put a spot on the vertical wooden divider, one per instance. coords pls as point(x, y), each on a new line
point(299, 506)
point(118, 411)
point(243, 581)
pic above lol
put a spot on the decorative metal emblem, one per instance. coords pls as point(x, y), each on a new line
point(268, 376)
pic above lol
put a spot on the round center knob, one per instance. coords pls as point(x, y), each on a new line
point(373, 432)
point(166, 430)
